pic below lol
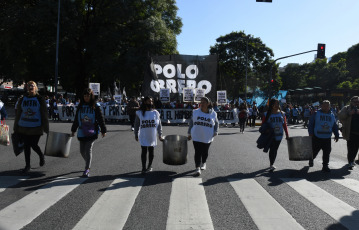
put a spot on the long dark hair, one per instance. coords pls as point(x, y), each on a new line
point(270, 107)
point(143, 107)
point(92, 102)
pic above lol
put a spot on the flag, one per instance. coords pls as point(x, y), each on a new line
point(124, 92)
point(153, 71)
point(115, 89)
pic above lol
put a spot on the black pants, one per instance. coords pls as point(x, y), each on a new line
point(353, 146)
point(254, 120)
point(144, 156)
point(273, 149)
point(31, 141)
point(324, 144)
point(242, 123)
point(132, 120)
point(200, 152)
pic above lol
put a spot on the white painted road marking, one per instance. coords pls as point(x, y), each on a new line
point(337, 209)
point(265, 211)
point(349, 183)
point(25, 210)
point(188, 206)
point(112, 209)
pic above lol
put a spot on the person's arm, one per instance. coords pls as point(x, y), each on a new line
point(216, 124)
point(18, 114)
point(159, 127)
point(75, 124)
point(137, 126)
point(100, 120)
point(285, 127)
point(311, 124)
point(3, 113)
point(44, 115)
point(335, 129)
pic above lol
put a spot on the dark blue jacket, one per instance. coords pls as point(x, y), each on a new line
point(266, 138)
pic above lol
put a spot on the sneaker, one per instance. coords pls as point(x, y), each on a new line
point(149, 169)
point(326, 169)
point(42, 160)
point(272, 168)
point(133, 129)
point(86, 173)
point(357, 161)
point(198, 171)
point(311, 163)
point(351, 166)
point(26, 169)
point(203, 166)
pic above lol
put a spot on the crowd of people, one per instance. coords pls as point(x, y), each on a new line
point(32, 120)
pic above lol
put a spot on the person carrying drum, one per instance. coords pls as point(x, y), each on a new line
point(321, 125)
point(90, 122)
point(31, 121)
point(203, 127)
point(147, 126)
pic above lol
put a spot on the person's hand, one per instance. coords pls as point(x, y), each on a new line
point(161, 138)
point(103, 135)
point(189, 137)
point(336, 139)
point(72, 134)
point(136, 138)
point(287, 137)
point(215, 134)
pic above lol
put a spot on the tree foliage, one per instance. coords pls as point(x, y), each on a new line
point(100, 40)
point(231, 51)
point(340, 72)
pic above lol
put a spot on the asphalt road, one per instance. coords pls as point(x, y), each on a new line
point(233, 156)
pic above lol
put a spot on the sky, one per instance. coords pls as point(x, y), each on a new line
point(286, 26)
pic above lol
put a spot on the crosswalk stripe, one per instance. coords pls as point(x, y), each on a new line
point(112, 209)
point(337, 209)
point(265, 211)
point(349, 183)
point(7, 181)
point(188, 205)
point(25, 210)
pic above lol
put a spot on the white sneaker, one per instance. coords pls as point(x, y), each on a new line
point(272, 168)
point(198, 171)
point(133, 129)
point(203, 166)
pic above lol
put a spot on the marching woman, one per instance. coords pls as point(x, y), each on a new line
point(147, 126)
point(203, 127)
point(278, 123)
point(31, 121)
point(90, 122)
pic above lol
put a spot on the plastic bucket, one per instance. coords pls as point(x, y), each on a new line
point(58, 144)
point(175, 150)
point(300, 148)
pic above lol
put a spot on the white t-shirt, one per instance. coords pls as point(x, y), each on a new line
point(203, 126)
point(148, 127)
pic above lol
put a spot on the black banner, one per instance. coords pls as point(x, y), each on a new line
point(176, 72)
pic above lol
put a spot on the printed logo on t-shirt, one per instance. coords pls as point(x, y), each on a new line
point(148, 124)
point(203, 121)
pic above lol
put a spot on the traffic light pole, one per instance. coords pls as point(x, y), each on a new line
point(273, 63)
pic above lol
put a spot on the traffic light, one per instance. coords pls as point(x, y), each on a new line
point(271, 81)
point(321, 51)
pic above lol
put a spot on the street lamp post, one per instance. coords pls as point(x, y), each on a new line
point(57, 48)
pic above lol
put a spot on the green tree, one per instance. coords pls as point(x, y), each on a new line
point(100, 41)
point(352, 62)
point(231, 51)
